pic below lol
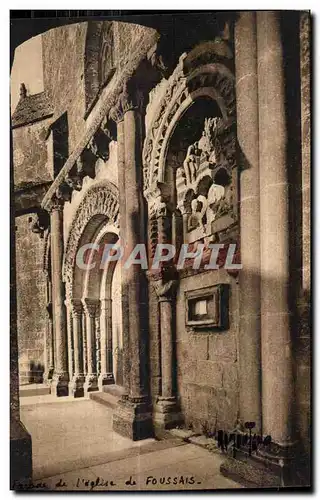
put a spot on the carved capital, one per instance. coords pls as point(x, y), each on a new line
point(76, 307)
point(116, 113)
point(91, 307)
point(131, 98)
point(165, 290)
point(55, 204)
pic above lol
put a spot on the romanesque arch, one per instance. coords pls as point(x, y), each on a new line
point(203, 184)
point(100, 206)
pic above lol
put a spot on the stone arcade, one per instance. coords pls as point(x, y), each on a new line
point(201, 139)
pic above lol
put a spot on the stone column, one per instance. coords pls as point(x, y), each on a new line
point(248, 140)
point(276, 342)
point(77, 383)
point(91, 307)
point(106, 376)
point(117, 115)
point(49, 346)
point(167, 413)
point(70, 340)
point(133, 417)
point(60, 377)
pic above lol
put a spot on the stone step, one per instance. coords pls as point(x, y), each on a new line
point(34, 390)
point(104, 398)
point(114, 389)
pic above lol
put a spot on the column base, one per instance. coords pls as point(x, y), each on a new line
point(20, 456)
point(269, 467)
point(48, 376)
point(133, 418)
point(91, 383)
point(76, 386)
point(167, 413)
point(105, 379)
point(60, 384)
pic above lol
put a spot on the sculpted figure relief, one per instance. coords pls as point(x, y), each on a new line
point(198, 207)
point(205, 173)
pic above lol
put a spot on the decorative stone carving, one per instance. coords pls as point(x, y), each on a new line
point(165, 290)
point(131, 98)
point(214, 80)
point(56, 203)
point(101, 199)
point(204, 182)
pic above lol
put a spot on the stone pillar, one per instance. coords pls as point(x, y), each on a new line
point(276, 342)
point(167, 413)
point(117, 115)
point(91, 307)
point(49, 347)
point(76, 385)
point(70, 340)
point(133, 417)
point(60, 377)
point(248, 140)
point(106, 376)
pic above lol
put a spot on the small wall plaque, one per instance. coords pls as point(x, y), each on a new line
point(208, 308)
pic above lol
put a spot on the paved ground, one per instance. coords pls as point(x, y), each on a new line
point(74, 448)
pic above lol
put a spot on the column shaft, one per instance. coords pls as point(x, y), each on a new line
point(166, 347)
point(123, 238)
point(134, 236)
point(106, 376)
point(133, 417)
point(248, 140)
point(60, 378)
point(276, 352)
point(76, 385)
point(90, 307)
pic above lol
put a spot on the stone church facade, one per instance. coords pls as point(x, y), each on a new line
point(139, 137)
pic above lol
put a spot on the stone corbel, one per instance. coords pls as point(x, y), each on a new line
point(74, 181)
point(64, 192)
point(40, 222)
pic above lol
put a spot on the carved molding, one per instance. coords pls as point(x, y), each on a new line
point(100, 199)
point(213, 79)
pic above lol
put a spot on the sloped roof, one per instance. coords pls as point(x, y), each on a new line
point(32, 108)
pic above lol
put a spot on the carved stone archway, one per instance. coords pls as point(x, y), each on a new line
point(101, 202)
point(205, 71)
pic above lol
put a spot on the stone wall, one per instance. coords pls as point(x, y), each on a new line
point(63, 69)
point(30, 154)
point(31, 301)
point(207, 362)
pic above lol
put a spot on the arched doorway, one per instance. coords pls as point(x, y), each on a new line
point(93, 294)
point(190, 183)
